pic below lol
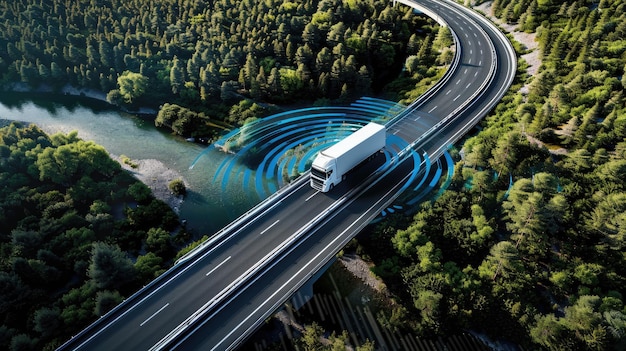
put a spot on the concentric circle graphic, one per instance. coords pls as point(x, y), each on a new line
point(267, 154)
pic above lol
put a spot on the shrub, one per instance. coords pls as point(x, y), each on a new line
point(177, 186)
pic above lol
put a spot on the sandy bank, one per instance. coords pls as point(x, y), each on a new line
point(157, 177)
point(361, 269)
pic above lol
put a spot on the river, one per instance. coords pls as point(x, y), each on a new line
point(206, 208)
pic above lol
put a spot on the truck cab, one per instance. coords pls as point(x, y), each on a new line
point(323, 173)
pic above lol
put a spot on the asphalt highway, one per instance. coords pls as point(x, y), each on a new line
point(229, 325)
point(207, 276)
point(215, 299)
point(469, 93)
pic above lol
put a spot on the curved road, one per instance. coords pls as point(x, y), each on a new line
point(216, 298)
point(232, 323)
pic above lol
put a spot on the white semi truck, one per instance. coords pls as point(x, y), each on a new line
point(331, 165)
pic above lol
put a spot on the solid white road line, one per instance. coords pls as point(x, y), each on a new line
point(218, 266)
point(270, 227)
point(310, 197)
point(154, 314)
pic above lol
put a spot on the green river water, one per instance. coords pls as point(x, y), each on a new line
point(206, 207)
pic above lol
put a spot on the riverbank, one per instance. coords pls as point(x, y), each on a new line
point(153, 173)
point(74, 91)
point(157, 176)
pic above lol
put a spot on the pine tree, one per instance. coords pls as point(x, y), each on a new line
point(177, 76)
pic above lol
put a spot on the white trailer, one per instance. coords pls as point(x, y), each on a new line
point(331, 165)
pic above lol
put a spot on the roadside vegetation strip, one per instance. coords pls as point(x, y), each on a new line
point(510, 51)
point(450, 117)
point(435, 88)
point(442, 82)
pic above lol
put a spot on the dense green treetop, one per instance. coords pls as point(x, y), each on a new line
point(78, 233)
point(199, 52)
point(528, 242)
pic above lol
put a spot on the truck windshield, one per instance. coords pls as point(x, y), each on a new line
point(318, 173)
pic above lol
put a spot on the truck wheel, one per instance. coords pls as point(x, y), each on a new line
point(332, 186)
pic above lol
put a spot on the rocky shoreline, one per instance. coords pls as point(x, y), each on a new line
point(157, 176)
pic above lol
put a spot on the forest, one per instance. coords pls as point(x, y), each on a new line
point(211, 55)
point(528, 244)
point(78, 235)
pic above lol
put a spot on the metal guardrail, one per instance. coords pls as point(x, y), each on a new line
point(435, 88)
point(429, 133)
point(375, 179)
point(244, 218)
